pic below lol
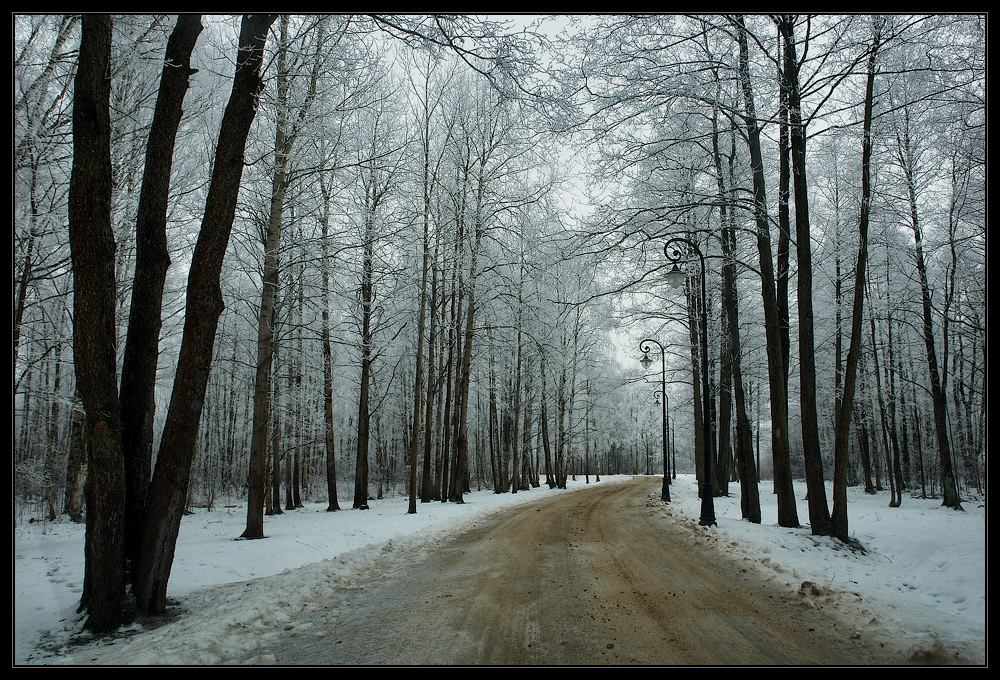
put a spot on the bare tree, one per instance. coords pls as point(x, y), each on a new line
point(168, 489)
point(838, 519)
point(138, 381)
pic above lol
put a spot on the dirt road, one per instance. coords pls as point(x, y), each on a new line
point(590, 577)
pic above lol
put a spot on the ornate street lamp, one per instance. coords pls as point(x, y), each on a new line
point(646, 362)
point(675, 278)
point(670, 468)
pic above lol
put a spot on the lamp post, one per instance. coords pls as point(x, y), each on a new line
point(669, 467)
point(676, 278)
point(646, 362)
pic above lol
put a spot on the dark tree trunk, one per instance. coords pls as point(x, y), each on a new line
point(838, 519)
point(168, 490)
point(724, 464)
point(76, 463)
point(787, 512)
point(784, 223)
point(426, 482)
point(949, 489)
point(92, 247)
point(460, 468)
point(747, 470)
point(819, 514)
point(138, 381)
point(418, 379)
point(543, 428)
point(364, 417)
point(267, 317)
point(328, 431)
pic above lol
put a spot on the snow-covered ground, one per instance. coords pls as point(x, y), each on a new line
point(921, 581)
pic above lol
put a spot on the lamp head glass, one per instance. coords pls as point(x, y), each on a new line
point(645, 360)
point(675, 277)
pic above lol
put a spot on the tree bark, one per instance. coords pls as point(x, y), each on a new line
point(92, 247)
point(76, 463)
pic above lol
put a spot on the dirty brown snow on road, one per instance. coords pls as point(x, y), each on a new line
point(596, 576)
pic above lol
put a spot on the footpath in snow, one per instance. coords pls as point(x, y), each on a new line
point(920, 581)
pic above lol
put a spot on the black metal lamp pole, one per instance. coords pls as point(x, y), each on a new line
point(646, 362)
point(675, 278)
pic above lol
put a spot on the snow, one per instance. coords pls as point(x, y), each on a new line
point(920, 581)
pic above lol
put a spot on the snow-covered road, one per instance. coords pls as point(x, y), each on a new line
point(922, 580)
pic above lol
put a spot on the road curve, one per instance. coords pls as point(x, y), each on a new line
point(586, 577)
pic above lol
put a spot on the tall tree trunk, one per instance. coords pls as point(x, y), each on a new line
point(515, 477)
point(364, 416)
point(558, 467)
point(92, 248)
point(543, 425)
point(819, 513)
point(418, 378)
point(273, 506)
point(949, 488)
point(267, 317)
point(426, 482)
point(697, 397)
point(22, 286)
point(168, 489)
point(138, 382)
point(293, 418)
point(329, 435)
point(492, 428)
point(787, 512)
point(284, 138)
point(52, 438)
point(460, 467)
point(745, 468)
point(784, 220)
point(838, 519)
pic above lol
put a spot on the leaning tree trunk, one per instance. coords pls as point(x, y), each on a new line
point(168, 489)
point(138, 381)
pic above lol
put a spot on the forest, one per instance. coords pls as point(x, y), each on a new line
point(268, 258)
